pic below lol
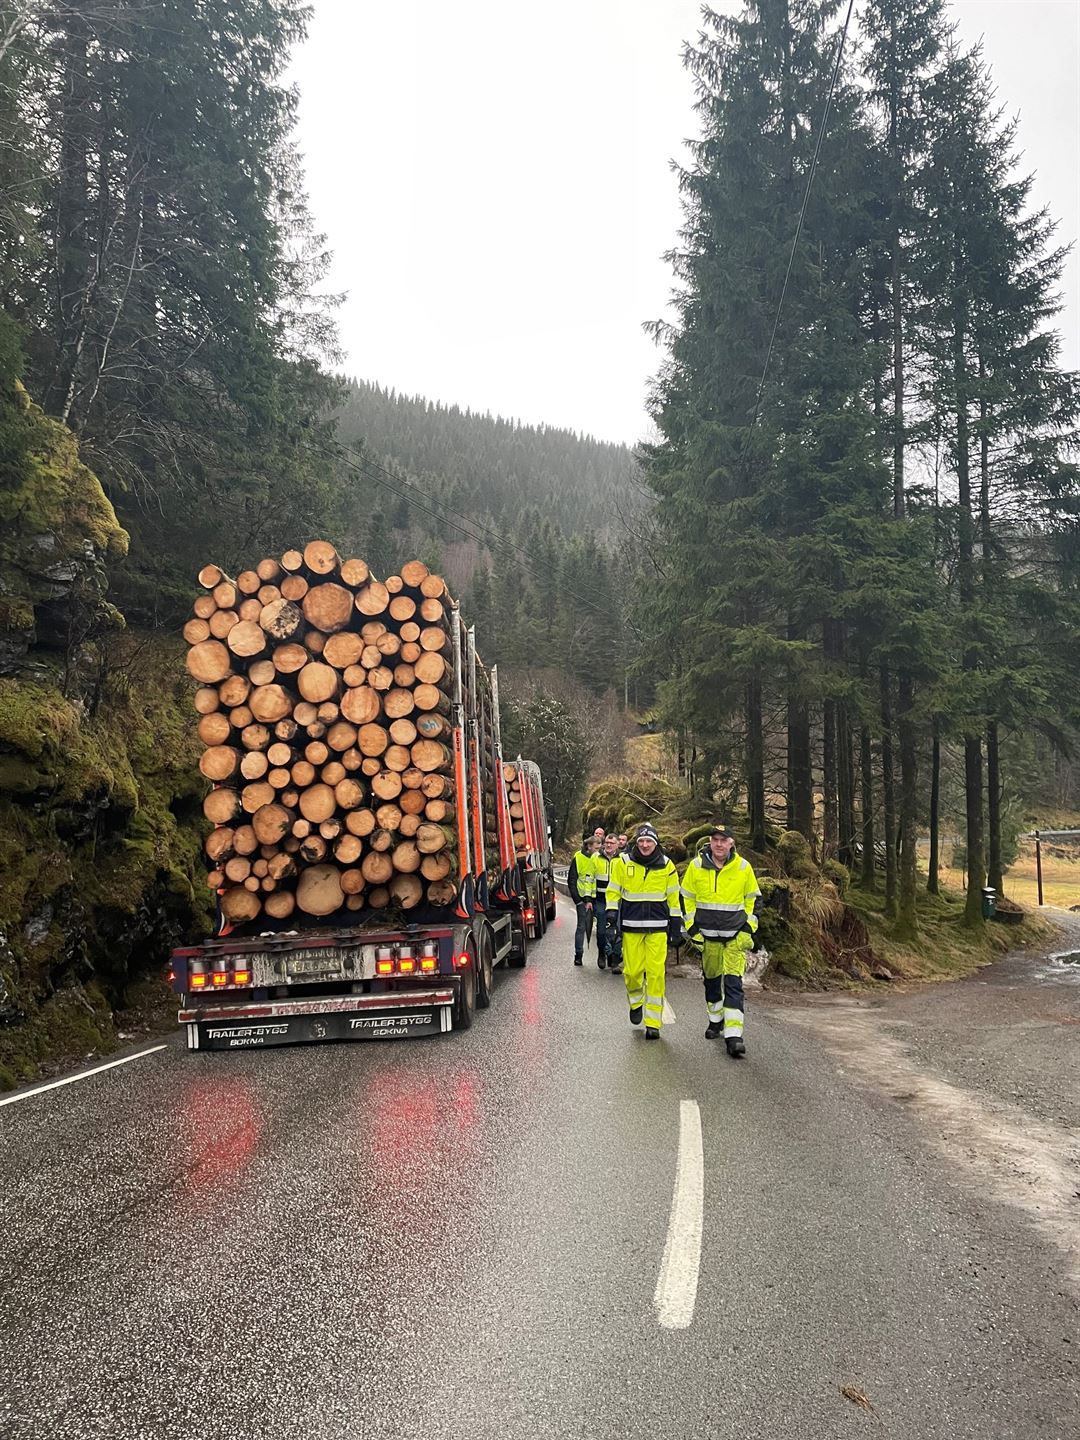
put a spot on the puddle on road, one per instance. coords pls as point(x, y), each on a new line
point(1071, 958)
point(1027, 1163)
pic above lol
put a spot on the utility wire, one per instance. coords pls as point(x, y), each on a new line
point(802, 217)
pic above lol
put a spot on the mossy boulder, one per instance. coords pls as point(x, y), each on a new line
point(794, 855)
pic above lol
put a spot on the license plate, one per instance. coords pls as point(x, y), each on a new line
point(318, 965)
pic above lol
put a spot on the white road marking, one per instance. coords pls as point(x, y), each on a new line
point(82, 1075)
point(676, 1285)
point(668, 1015)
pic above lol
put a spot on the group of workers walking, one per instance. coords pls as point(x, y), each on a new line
point(631, 897)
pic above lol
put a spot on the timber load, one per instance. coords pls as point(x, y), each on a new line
point(325, 700)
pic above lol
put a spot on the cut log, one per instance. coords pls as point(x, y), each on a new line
point(196, 631)
point(435, 867)
point(398, 703)
point(315, 641)
point(292, 561)
point(437, 787)
point(316, 752)
point(432, 669)
point(262, 672)
point(386, 784)
point(353, 902)
point(241, 717)
point(280, 905)
point(267, 570)
point(354, 676)
point(341, 736)
point(318, 682)
point(404, 676)
point(388, 816)
point(210, 575)
point(433, 587)
point(254, 796)
point(234, 691)
point(239, 905)
point(432, 611)
point(281, 619)
point(409, 825)
point(370, 657)
point(271, 823)
point(320, 557)
point(412, 802)
point(413, 572)
point(402, 608)
point(371, 630)
point(434, 638)
point(412, 778)
point(372, 598)
point(280, 753)
point(430, 697)
point(245, 841)
point(249, 609)
point(332, 828)
point(441, 812)
point(303, 774)
point(317, 803)
point(215, 728)
point(387, 645)
point(407, 891)
point(381, 839)
point(328, 607)
point(281, 866)
point(318, 890)
point(372, 739)
point(266, 594)
point(305, 713)
point(430, 839)
point(409, 632)
point(294, 588)
point(432, 726)
point(207, 700)
point(332, 773)
point(343, 649)
point(428, 755)
point(270, 703)
point(442, 892)
point(312, 849)
point(219, 844)
point(222, 622)
point(381, 678)
point(352, 882)
point(254, 765)
point(220, 762)
point(360, 705)
point(328, 712)
point(349, 794)
point(237, 869)
point(410, 651)
point(360, 822)
point(402, 732)
point(352, 760)
point(290, 658)
point(370, 765)
point(286, 729)
point(510, 773)
point(376, 868)
point(348, 849)
point(247, 582)
point(204, 607)
point(209, 661)
point(224, 594)
point(354, 573)
point(247, 639)
point(215, 879)
point(397, 757)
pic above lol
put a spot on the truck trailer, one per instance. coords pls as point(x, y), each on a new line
point(392, 959)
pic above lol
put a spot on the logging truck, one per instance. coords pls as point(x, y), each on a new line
point(373, 855)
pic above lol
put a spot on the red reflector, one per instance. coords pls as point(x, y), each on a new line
point(429, 964)
point(462, 960)
point(221, 977)
point(530, 916)
point(198, 982)
point(241, 977)
point(384, 967)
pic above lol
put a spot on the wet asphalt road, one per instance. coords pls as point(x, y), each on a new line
point(460, 1237)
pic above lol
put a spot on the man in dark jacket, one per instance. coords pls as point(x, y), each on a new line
point(581, 882)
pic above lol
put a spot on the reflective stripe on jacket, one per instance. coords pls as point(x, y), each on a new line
point(602, 873)
point(580, 880)
point(721, 900)
point(646, 896)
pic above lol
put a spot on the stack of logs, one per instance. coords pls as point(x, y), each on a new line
point(323, 705)
point(512, 776)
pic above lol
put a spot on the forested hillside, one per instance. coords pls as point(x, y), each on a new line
point(874, 488)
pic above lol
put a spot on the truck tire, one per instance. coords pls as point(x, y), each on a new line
point(552, 909)
point(465, 1000)
point(485, 976)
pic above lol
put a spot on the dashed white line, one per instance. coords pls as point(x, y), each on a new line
point(82, 1075)
point(676, 1285)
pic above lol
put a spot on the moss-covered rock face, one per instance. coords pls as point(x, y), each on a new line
point(100, 806)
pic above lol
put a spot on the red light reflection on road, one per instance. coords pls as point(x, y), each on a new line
point(227, 1125)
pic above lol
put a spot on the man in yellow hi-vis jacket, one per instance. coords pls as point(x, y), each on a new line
point(643, 907)
point(719, 890)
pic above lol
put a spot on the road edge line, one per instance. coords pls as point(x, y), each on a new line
point(676, 1285)
point(82, 1075)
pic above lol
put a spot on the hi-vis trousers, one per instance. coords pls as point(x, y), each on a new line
point(724, 964)
point(644, 956)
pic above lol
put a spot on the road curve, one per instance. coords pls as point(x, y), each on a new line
point(462, 1237)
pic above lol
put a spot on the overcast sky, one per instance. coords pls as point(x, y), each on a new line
point(494, 180)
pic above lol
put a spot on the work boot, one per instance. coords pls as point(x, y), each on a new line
point(651, 1034)
point(601, 961)
point(616, 969)
point(578, 960)
point(635, 1014)
point(713, 1030)
point(735, 1047)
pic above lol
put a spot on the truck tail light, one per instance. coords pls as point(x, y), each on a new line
point(406, 965)
point(241, 977)
point(197, 980)
point(384, 967)
point(429, 964)
point(221, 978)
point(462, 960)
point(530, 917)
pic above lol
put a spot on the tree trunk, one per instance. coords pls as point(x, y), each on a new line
point(934, 863)
point(866, 804)
point(800, 770)
point(994, 875)
point(907, 922)
point(829, 835)
point(755, 765)
point(888, 791)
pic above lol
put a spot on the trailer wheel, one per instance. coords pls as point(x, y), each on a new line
point(465, 1002)
point(552, 910)
point(486, 967)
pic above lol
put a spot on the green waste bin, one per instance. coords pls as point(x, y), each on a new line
point(989, 905)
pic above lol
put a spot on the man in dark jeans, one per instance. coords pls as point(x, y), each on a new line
point(602, 863)
point(581, 882)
